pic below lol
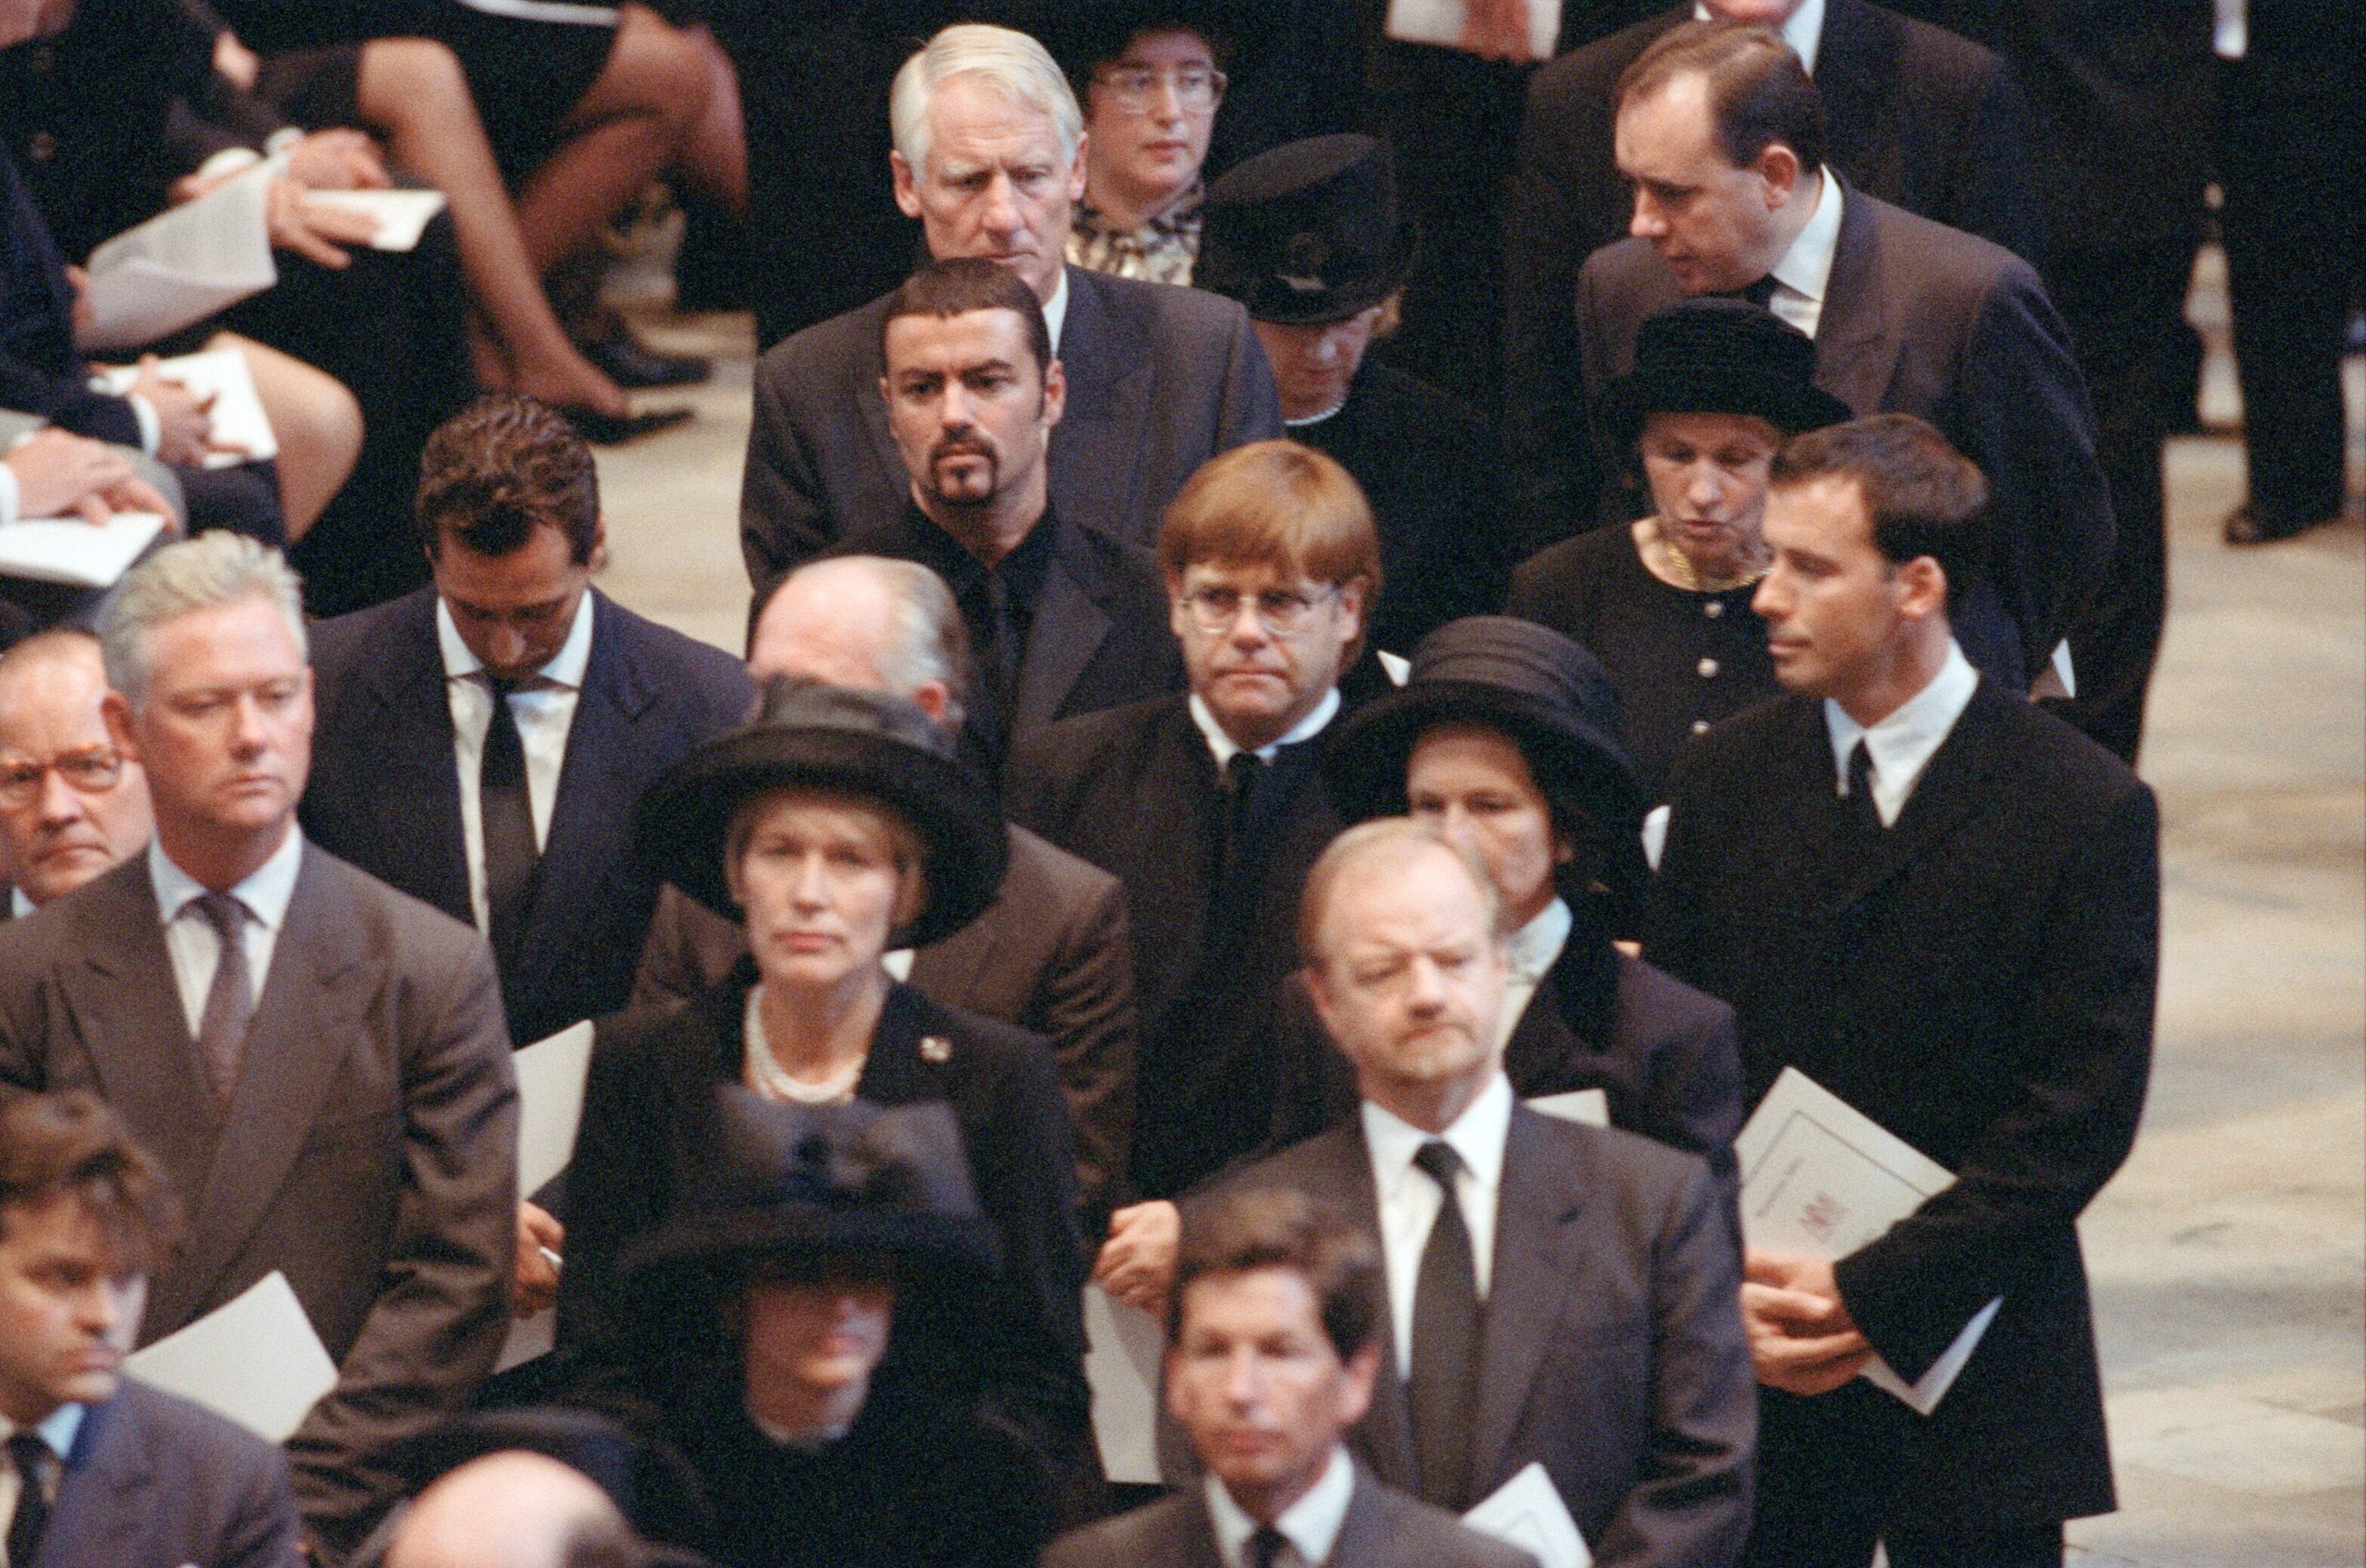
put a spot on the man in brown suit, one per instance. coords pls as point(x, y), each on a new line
point(317, 1060)
point(1052, 954)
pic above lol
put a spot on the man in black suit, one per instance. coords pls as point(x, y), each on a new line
point(1050, 954)
point(318, 1060)
point(1907, 314)
point(482, 741)
point(1208, 808)
point(1161, 379)
point(1914, 116)
point(1558, 1294)
point(1943, 905)
point(101, 1472)
point(1063, 619)
point(1274, 1352)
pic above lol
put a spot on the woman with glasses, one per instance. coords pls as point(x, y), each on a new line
point(1146, 76)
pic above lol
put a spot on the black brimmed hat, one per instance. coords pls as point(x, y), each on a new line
point(866, 743)
point(1306, 233)
point(787, 1182)
point(1717, 355)
point(1543, 690)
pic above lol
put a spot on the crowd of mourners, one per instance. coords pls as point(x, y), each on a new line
point(1365, 631)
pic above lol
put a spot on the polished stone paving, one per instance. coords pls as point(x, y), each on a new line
point(2229, 1256)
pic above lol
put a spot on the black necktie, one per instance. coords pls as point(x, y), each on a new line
point(1003, 649)
point(1760, 294)
point(1265, 1547)
point(1445, 1342)
point(1241, 773)
point(507, 815)
point(230, 1001)
point(1862, 811)
point(31, 1455)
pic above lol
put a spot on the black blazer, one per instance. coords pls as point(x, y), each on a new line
point(647, 1121)
point(40, 370)
point(1100, 636)
point(1922, 319)
point(1160, 380)
point(153, 1479)
point(1667, 1064)
point(1981, 984)
point(385, 794)
point(1135, 790)
point(1611, 1351)
point(1914, 115)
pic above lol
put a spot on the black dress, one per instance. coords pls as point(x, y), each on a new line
point(1423, 460)
point(1681, 660)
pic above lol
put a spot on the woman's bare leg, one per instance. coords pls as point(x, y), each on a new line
point(314, 419)
point(414, 93)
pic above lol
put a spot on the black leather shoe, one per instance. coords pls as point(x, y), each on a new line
point(630, 365)
point(2245, 526)
point(615, 429)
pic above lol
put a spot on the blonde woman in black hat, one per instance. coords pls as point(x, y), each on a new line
point(839, 829)
point(1665, 602)
point(812, 1244)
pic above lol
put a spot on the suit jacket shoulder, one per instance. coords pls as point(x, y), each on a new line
point(1387, 1528)
point(153, 1479)
point(1051, 767)
point(1174, 1532)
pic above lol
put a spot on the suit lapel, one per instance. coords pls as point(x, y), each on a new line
point(1954, 784)
point(949, 971)
point(414, 787)
point(103, 1500)
point(1855, 349)
point(127, 1015)
point(1068, 630)
point(1849, 69)
point(867, 397)
point(305, 1021)
point(1536, 1267)
point(1096, 442)
point(1388, 1428)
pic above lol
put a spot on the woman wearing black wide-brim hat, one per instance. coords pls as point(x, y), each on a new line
point(1505, 735)
point(1717, 386)
point(809, 1248)
point(836, 827)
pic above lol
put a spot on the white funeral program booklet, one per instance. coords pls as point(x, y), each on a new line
point(1820, 1179)
point(238, 418)
point(1526, 1512)
point(181, 266)
point(1123, 1347)
point(550, 1105)
point(1440, 21)
point(255, 1360)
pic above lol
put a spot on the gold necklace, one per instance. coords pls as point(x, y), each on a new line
point(1688, 576)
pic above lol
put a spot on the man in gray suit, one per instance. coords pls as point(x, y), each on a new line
point(317, 1060)
point(1272, 1351)
point(1721, 133)
point(989, 157)
point(1576, 1304)
point(1051, 954)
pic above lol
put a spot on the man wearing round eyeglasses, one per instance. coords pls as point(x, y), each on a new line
point(1150, 85)
point(71, 805)
point(1210, 807)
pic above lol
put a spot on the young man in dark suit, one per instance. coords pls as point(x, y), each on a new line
point(1275, 1346)
point(1914, 116)
point(101, 1472)
point(482, 741)
point(1063, 619)
point(1210, 807)
point(1557, 1295)
point(1906, 314)
point(318, 1059)
point(1943, 905)
point(988, 158)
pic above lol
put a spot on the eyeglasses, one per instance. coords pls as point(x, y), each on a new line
point(1134, 88)
point(1281, 611)
point(92, 771)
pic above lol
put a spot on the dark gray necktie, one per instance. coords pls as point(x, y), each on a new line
point(229, 1002)
point(32, 1458)
point(1863, 814)
point(507, 816)
point(1265, 1547)
point(1443, 1389)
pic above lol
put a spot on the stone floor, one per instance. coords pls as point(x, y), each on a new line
point(2229, 1256)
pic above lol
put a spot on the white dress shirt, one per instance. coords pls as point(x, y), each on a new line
point(544, 711)
point(189, 936)
point(18, 904)
point(1804, 271)
point(1535, 948)
point(1226, 748)
point(1408, 1197)
point(1055, 311)
point(1311, 1526)
point(1802, 31)
point(58, 1429)
point(1901, 745)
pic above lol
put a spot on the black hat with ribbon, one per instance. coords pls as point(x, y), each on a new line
point(1717, 355)
point(1306, 233)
